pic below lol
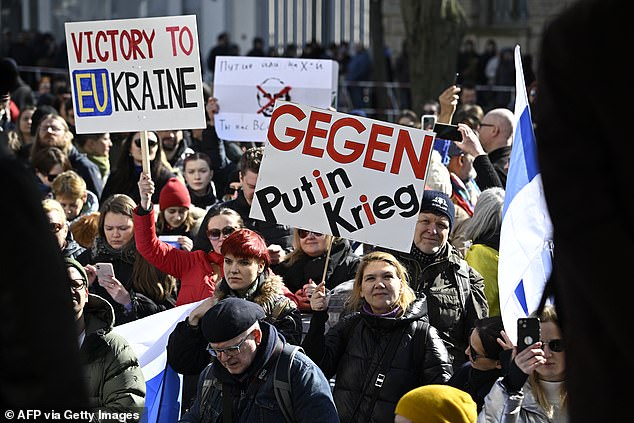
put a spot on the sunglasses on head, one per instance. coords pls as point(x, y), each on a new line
point(214, 234)
point(555, 345)
point(304, 233)
point(150, 143)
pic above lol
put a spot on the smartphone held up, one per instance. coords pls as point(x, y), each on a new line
point(528, 332)
point(447, 132)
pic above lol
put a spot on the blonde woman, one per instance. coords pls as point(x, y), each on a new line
point(534, 389)
point(304, 266)
point(381, 350)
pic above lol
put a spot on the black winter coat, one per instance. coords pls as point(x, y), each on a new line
point(353, 349)
point(455, 297)
point(342, 266)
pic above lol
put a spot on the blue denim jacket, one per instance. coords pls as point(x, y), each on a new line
point(310, 390)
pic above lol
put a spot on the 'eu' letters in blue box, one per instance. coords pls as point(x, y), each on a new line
point(92, 92)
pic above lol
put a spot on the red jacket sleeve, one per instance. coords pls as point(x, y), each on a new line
point(194, 268)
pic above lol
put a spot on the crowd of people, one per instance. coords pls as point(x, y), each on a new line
point(417, 327)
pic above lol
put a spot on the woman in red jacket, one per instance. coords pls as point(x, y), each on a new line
point(198, 271)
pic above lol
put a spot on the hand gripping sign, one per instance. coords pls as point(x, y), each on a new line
point(344, 175)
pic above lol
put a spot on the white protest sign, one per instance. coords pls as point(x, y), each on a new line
point(135, 74)
point(344, 175)
point(247, 88)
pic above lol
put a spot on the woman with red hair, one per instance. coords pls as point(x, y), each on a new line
point(246, 275)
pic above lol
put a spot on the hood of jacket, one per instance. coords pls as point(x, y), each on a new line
point(266, 291)
point(98, 315)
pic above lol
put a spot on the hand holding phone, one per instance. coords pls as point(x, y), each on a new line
point(528, 332)
point(104, 271)
point(428, 122)
point(447, 132)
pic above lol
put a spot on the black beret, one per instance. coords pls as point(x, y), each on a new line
point(230, 317)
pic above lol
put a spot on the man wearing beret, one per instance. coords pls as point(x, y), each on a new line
point(454, 290)
point(238, 384)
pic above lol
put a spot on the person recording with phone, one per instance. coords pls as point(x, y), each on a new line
point(136, 288)
point(534, 387)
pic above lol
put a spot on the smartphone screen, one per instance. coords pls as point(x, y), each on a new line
point(428, 122)
point(528, 332)
point(447, 132)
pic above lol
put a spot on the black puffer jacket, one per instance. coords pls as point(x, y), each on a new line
point(342, 266)
point(353, 349)
point(455, 296)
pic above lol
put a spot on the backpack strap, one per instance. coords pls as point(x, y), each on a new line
point(282, 380)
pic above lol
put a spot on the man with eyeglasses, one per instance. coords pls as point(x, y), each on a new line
point(238, 384)
point(114, 380)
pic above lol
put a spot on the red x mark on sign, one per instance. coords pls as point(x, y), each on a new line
point(272, 99)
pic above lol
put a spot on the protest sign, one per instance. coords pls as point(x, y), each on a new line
point(135, 74)
point(247, 88)
point(343, 175)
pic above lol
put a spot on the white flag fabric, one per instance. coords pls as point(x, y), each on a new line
point(526, 236)
point(148, 338)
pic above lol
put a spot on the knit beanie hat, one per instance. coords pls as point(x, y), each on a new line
point(71, 262)
point(438, 202)
point(437, 404)
point(174, 194)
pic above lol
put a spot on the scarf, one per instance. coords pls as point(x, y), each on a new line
point(102, 249)
point(427, 259)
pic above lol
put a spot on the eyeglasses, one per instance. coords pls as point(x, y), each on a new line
point(77, 288)
point(486, 124)
point(51, 177)
point(555, 345)
point(150, 143)
point(56, 227)
point(214, 234)
point(229, 351)
point(304, 233)
point(53, 128)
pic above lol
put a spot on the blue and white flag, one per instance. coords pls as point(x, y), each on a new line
point(526, 237)
point(148, 338)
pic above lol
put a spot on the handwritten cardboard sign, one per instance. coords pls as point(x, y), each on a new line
point(248, 87)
